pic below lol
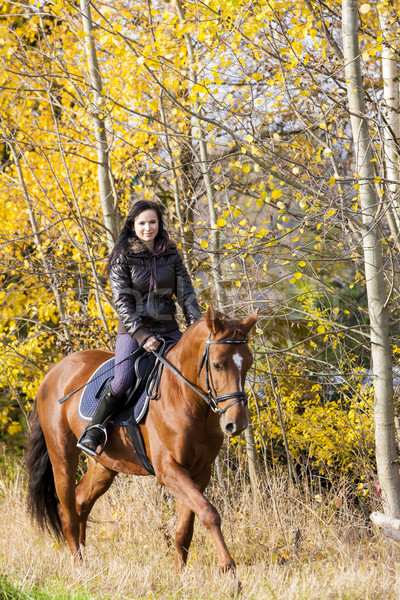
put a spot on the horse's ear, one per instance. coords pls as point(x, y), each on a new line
point(250, 321)
point(213, 321)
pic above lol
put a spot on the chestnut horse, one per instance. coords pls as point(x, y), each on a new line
point(182, 432)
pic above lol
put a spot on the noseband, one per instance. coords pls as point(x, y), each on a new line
point(212, 398)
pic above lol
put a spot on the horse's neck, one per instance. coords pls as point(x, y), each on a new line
point(194, 409)
point(186, 354)
point(186, 357)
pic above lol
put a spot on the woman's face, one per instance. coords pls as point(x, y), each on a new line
point(146, 227)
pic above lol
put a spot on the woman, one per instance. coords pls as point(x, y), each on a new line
point(146, 273)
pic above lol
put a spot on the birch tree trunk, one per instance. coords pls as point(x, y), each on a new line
point(47, 268)
point(174, 170)
point(175, 185)
point(215, 237)
point(381, 354)
point(205, 171)
point(106, 189)
point(391, 131)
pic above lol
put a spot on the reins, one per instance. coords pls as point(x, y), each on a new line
point(212, 399)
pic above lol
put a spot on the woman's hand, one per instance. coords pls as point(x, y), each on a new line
point(151, 344)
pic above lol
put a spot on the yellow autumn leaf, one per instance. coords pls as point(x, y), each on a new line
point(14, 428)
point(276, 194)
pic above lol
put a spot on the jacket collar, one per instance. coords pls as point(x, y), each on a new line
point(137, 247)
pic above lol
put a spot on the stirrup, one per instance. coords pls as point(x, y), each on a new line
point(88, 450)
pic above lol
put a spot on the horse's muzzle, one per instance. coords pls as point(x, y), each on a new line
point(234, 424)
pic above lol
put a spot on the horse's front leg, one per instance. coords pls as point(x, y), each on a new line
point(178, 480)
point(183, 535)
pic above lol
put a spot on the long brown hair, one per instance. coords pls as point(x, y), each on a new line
point(127, 233)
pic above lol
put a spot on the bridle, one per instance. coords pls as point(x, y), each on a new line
point(212, 399)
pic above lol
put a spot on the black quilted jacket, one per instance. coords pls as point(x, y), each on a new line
point(141, 313)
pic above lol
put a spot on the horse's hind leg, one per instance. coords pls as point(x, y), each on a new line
point(93, 484)
point(183, 535)
point(65, 463)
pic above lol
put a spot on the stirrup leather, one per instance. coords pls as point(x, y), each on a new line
point(88, 450)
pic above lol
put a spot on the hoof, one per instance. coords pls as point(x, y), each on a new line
point(233, 585)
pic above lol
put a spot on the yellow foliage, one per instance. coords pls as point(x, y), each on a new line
point(246, 72)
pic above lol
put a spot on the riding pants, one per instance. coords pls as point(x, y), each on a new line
point(124, 371)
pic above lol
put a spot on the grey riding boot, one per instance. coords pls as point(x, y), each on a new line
point(95, 433)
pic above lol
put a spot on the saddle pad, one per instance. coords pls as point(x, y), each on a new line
point(88, 401)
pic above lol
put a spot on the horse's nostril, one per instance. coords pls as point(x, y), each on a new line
point(230, 427)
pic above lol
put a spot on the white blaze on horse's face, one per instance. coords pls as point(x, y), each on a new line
point(237, 363)
point(238, 360)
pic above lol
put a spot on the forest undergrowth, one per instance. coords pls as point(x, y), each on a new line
point(289, 542)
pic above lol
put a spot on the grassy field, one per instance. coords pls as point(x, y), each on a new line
point(289, 543)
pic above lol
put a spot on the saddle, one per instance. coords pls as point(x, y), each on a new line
point(144, 366)
point(147, 371)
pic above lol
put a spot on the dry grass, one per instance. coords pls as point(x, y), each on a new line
point(287, 546)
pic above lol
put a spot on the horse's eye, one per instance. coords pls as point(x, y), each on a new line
point(217, 366)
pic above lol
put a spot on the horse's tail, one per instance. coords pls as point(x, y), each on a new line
point(42, 498)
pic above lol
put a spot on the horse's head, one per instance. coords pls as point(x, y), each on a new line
point(224, 366)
